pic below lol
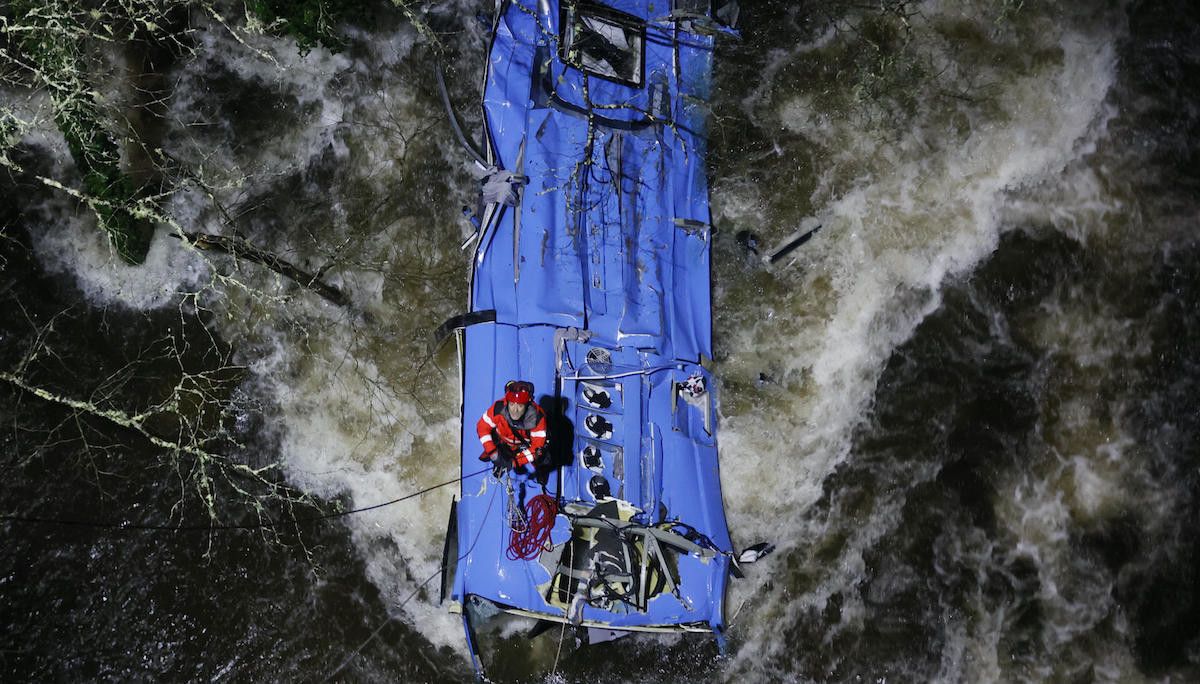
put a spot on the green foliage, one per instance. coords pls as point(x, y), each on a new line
point(312, 22)
point(49, 47)
point(885, 63)
point(98, 159)
point(51, 43)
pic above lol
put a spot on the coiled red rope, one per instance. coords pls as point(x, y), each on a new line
point(528, 543)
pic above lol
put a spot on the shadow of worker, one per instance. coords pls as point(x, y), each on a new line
point(561, 431)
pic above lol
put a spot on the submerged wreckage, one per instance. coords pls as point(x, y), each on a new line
point(591, 281)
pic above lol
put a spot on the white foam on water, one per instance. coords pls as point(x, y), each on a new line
point(262, 62)
point(1073, 595)
point(31, 117)
point(66, 236)
point(921, 214)
point(67, 240)
point(347, 428)
point(348, 425)
point(1085, 470)
point(344, 428)
point(1083, 337)
point(892, 242)
point(349, 432)
point(776, 65)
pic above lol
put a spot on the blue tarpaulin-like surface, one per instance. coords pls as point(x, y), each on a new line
point(610, 236)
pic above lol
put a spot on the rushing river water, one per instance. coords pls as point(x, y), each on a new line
point(966, 412)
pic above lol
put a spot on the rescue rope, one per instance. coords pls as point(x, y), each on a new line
point(539, 515)
point(218, 528)
point(561, 632)
point(420, 586)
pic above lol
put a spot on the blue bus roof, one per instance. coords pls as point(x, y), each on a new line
point(597, 268)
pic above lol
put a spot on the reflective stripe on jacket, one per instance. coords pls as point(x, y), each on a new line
point(524, 437)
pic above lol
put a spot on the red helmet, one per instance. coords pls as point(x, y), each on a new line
point(518, 392)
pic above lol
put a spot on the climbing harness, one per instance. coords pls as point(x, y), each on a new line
point(515, 515)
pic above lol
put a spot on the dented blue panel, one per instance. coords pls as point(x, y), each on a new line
point(599, 277)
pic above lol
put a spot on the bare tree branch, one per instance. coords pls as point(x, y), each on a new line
point(241, 249)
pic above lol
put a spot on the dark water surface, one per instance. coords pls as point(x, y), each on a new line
point(87, 604)
point(1038, 489)
point(975, 392)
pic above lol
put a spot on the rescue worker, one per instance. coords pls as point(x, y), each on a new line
point(513, 430)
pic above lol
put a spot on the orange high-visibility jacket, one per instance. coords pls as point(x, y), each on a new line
point(524, 437)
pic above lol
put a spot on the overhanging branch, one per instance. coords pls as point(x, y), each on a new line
point(241, 249)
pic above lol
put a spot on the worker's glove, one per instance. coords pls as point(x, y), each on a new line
point(487, 456)
point(521, 470)
point(525, 457)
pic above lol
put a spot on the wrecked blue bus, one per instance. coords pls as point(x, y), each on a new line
point(591, 281)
